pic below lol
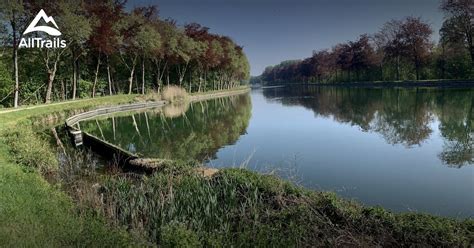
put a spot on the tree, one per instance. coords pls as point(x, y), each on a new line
point(186, 50)
point(415, 35)
point(207, 57)
point(148, 38)
point(74, 16)
point(458, 26)
point(389, 39)
point(129, 26)
point(363, 57)
point(105, 16)
point(344, 57)
point(13, 12)
point(138, 38)
point(69, 14)
point(113, 36)
point(149, 41)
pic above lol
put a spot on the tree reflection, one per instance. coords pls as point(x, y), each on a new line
point(457, 128)
point(194, 131)
point(401, 116)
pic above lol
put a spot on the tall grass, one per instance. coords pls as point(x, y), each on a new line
point(174, 93)
point(28, 149)
point(237, 207)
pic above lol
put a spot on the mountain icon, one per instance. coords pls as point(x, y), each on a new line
point(47, 19)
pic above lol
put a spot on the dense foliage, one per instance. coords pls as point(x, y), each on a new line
point(401, 50)
point(110, 51)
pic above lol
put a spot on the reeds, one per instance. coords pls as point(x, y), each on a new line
point(174, 93)
point(237, 207)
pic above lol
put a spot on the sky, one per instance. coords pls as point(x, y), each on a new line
point(275, 30)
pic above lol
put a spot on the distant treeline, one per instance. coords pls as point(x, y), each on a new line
point(401, 50)
point(110, 50)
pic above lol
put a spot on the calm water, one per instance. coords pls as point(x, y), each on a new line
point(403, 149)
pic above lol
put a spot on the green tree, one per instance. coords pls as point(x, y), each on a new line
point(148, 39)
point(73, 15)
point(458, 26)
point(13, 12)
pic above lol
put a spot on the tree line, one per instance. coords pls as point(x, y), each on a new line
point(401, 50)
point(109, 51)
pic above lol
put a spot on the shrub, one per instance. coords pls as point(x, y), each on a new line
point(84, 88)
point(174, 93)
point(177, 235)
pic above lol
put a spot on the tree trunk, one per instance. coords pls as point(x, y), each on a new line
point(63, 90)
point(132, 72)
point(113, 127)
point(58, 140)
point(130, 80)
point(470, 43)
point(472, 54)
point(15, 60)
point(182, 73)
point(51, 75)
point(417, 69)
point(398, 68)
point(108, 75)
point(96, 76)
point(143, 76)
point(74, 78)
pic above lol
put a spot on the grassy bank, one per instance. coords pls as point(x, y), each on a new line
point(33, 212)
point(240, 208)
point(177, 207)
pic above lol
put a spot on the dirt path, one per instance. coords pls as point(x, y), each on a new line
point(10, 110)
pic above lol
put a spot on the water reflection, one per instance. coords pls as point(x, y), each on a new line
point(183, 131)
point(401, 116)
point(379, 146)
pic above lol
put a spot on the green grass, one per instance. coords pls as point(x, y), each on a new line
point(240, 208)
point(33, 212)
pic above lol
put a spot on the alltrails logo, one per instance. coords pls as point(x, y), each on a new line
point(39, 42)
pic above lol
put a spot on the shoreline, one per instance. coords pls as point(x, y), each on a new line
point(388, 84)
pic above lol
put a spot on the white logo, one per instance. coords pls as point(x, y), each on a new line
point(39, 42)
point(49, 30)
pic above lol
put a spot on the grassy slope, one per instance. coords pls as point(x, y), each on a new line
point(34, 212)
